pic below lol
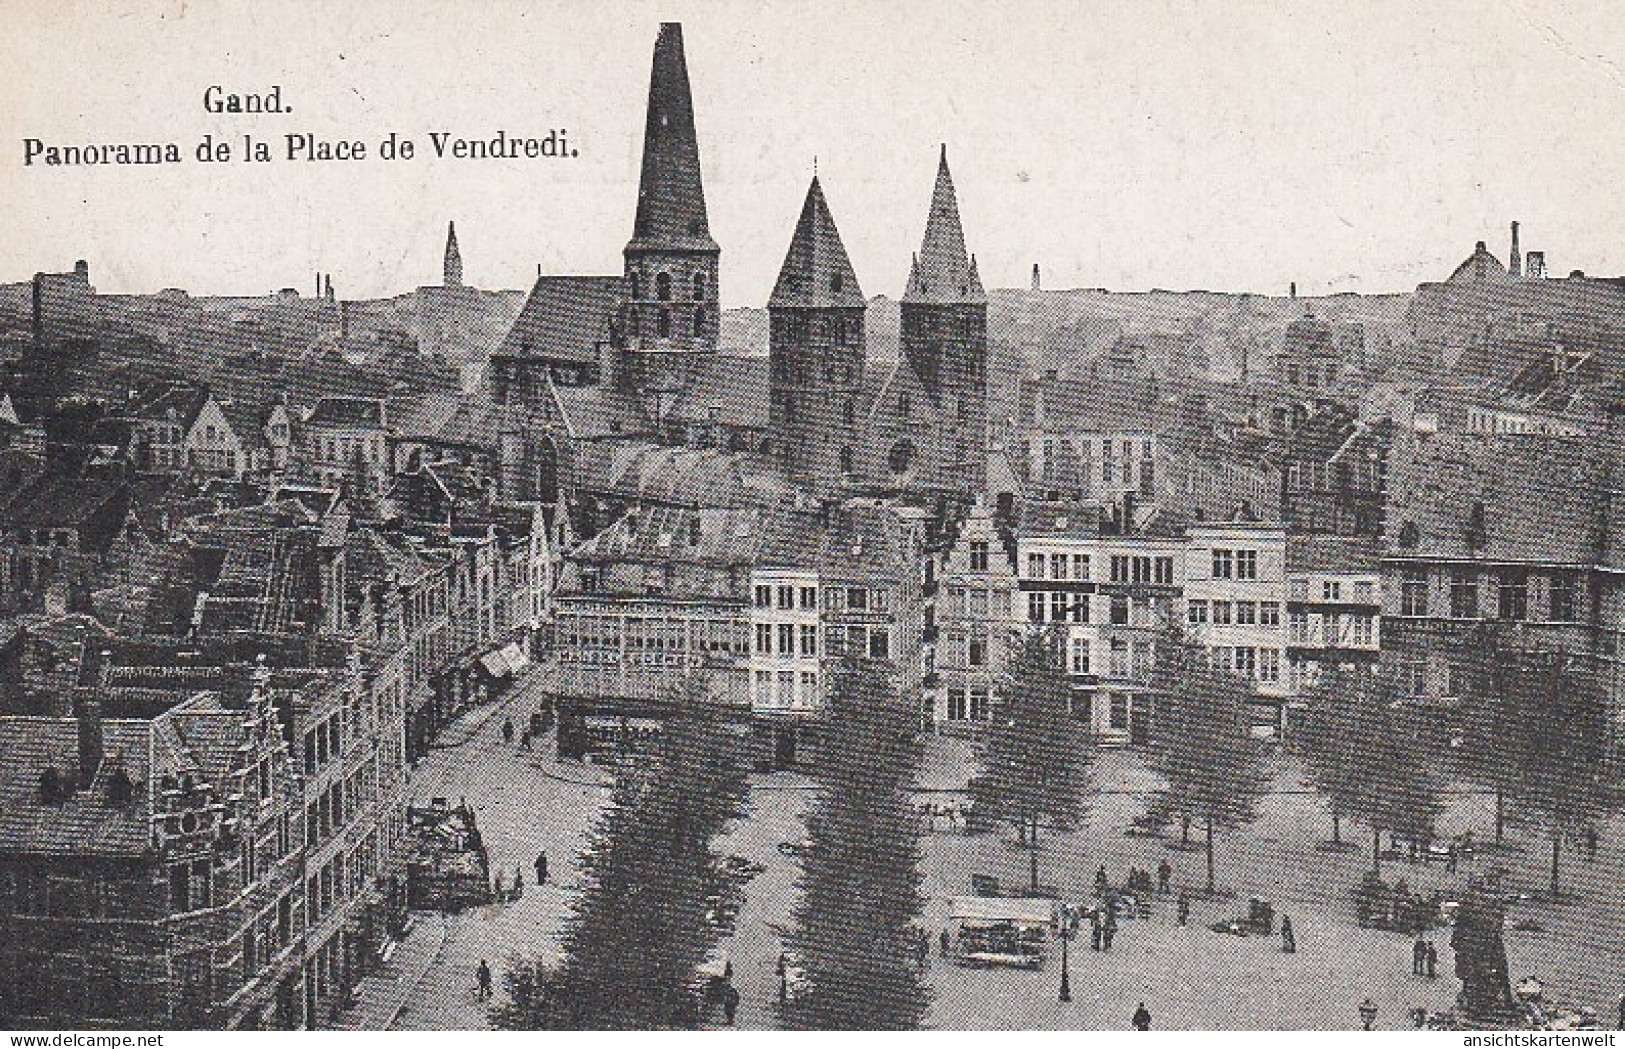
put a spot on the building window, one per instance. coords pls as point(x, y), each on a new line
point(1561, 597)
point(1246, 564)
point(1080, 567)
point(1364, 593)
point(1363, 631)
point(1514, 593)
point(1035, 607)
point(1080, 655)
point(663, 321)
point(809, 599)
point(764, 639)
point(980, 708)
point(956, 704)
point(1119, 610)
point(1119, 658)
point(787, 639)
point(857, 599)
point(1331, 590)
point(879, 643)
point(1413, 592)
point(1221, 613)
point(809, 639)
point(1244, 659)
point(1196, 612)
point(1269, 613)
point(1120, 568)
point(1058, 604)
point(663, 286)
point(978, 555)
point(1269, 665)
point(1164, 571)
point(699, 286)
point(1297, 628)
point(1119, 712)
point(1463, 594)
point(1035, 566)
point(1246, 613)
point(1057, 566)
point(1223, 564)
point(787, 596)
point(976, 652)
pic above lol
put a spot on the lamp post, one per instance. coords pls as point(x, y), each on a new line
point(1066, 969)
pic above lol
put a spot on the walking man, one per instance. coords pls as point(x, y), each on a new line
point(1142, 1018)
point(1165, 874)
point(1108, 930)
point(1419, 954)
point(1184, 908)
point(1289, 940)
point(541, 868)
point(1101, 881)
point(945, 941)
point(1368, 1014)
point(482, 977)
point(1431, 960)
point(507, 731)
point(730, 1003)
point(1094, 930)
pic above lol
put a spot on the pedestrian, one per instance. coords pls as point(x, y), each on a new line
point(1184, 908)
point(1142, 1018)
point(1165, 875)
point(518, 880)
point(541, 868)
point(507, 731)
point(1431, 960)
point(1094, 930)
point(1101, 881)
point(1368, 1014)
point(730, 1003)
point(1589, 835)
point(1419, 955)
point(1450, 855)
point(1622, 1012)
point(501, 892)
point(1289, 939)
point(944, 941)
point(1108, 931)
point(482, 978)
point(524, 740)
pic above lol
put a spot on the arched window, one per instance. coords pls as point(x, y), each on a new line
point(663, 287)
point(846, 459)
point(637, 285)
point(663, 321)
point(699, 286)
point(699, 319)
point(835, 281)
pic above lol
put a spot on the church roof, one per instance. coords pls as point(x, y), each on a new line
point(943, 272)
point(671, 195)
point(817, 273)
point(565, 318)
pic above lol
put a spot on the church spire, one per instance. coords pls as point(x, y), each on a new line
point(671, 197)
point(817, 273)
point(452, 270)
point(944, 273)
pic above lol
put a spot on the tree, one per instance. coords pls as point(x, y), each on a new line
point(1035, 759)
point(860, 878)
point(1200, 742)
point(1561, 737)
point(1366, 751)
point(640, 927)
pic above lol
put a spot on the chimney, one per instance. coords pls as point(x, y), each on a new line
point(1536, 268)
point(1292, 290)
point(1037, 284)
point(318, 284)
point(329, 287)
point(87, 712)
point(1515, 257)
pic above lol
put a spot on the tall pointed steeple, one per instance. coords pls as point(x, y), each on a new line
point(943, 273)
point(452, 269)
point(817, 273)
point(671, 196)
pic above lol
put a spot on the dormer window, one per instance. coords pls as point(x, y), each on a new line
point(835, 281)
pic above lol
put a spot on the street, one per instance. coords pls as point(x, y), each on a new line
point(1189, 977)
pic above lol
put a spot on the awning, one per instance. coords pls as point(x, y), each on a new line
point(517, 660)
point(1019, 910)
point(495, 664)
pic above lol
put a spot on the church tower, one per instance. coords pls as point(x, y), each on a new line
point(945, 334)
point(816, 346)
point(671, 316)
point(452, 269)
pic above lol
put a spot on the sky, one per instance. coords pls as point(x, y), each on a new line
point(1232, 146)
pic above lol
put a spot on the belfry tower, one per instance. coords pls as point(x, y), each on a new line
point(671, 315)
point(944, 336)
point(816, 346)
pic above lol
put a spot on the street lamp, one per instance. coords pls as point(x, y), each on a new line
point(1066, 968)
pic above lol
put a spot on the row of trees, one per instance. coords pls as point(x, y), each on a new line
point(640, 927)
point(856, 920)
point(1540, 738)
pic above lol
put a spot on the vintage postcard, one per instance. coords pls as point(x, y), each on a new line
point(785, 516)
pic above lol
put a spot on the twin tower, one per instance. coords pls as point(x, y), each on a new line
point(923, 425)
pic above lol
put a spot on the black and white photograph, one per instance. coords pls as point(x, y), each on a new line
point(844, 516)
